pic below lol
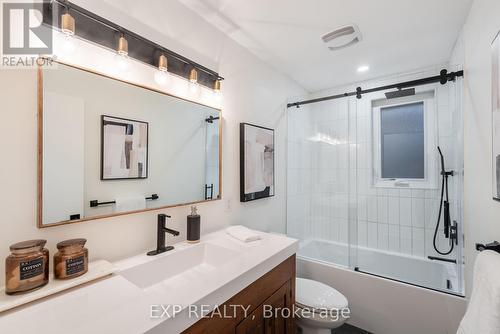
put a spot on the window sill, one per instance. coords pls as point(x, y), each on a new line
point(405, 184)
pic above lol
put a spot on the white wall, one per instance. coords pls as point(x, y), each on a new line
point(473, 50)
point(253, 92)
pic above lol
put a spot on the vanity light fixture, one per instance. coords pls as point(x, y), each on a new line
point(193, 80)
point(217, 86)
point(162, 76)
point(68, 24)
point(217, 92)
point(163, 63)
point(68, 29)
point(122, 46)
point(121, 53)
point(193, 76)
point(112, 36)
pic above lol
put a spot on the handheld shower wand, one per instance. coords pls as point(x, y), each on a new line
point(445, 203)
point(444, 207)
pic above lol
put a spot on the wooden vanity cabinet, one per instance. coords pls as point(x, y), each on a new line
point(272, 292)
point(256, 323)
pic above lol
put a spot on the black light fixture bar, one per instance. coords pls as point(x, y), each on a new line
point(99, 30)
point(443, 78)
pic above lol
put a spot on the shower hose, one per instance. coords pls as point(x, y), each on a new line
point(444, 187)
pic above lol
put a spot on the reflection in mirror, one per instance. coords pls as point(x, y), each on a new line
point(110, 147)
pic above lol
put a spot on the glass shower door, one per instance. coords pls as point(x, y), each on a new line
point(364, 184)
point(398, 209)
point(318, 181)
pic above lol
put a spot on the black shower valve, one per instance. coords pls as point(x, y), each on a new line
point(454, 233)
point(448, 173)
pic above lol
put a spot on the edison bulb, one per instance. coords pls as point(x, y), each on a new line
point(193, 87)
point(68, 44)
point(122, 62)
point(162, 77)
point(218, 95)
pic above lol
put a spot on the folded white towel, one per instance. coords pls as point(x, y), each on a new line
point(483, 312)
point(130, 203)
point(242, 233)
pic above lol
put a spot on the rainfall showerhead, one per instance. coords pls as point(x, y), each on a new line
point(400, 93)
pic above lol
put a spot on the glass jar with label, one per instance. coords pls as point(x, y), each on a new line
point(27, 267)
point(71, 260)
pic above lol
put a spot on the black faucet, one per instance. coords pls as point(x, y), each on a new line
point(160, 235)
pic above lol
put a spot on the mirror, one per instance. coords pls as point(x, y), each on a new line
point(108, 147)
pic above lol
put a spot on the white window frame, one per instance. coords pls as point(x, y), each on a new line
point(430, 145)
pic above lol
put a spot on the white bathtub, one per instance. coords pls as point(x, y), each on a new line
point(410, 269)
point(380, 305)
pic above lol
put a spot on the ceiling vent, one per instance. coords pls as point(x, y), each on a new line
point(342, 37)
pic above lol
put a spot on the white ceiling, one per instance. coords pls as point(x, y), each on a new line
point(398, 35)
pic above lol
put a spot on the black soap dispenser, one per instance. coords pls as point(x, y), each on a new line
point(193, 226)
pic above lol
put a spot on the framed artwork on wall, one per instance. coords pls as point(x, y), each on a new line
point(495, 99)
point(256, 162)
point(124, 148)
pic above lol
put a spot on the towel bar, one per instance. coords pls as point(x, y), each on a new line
point(94, 203)
point(494, 246)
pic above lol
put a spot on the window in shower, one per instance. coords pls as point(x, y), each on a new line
point(402, 141)
point(403, 134)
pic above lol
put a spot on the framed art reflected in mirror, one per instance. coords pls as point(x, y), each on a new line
point(124, 148)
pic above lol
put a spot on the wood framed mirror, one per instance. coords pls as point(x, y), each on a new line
point(108, 147)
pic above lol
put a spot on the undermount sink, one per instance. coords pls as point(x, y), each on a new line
point(191, 262)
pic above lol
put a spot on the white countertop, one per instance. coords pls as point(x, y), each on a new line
point(117, 305)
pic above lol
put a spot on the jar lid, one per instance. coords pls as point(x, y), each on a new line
point(71, 242)
point(28, 244)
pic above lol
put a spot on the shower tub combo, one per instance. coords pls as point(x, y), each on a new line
point(352, 162)
point(378, 301)
point(436, 275)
